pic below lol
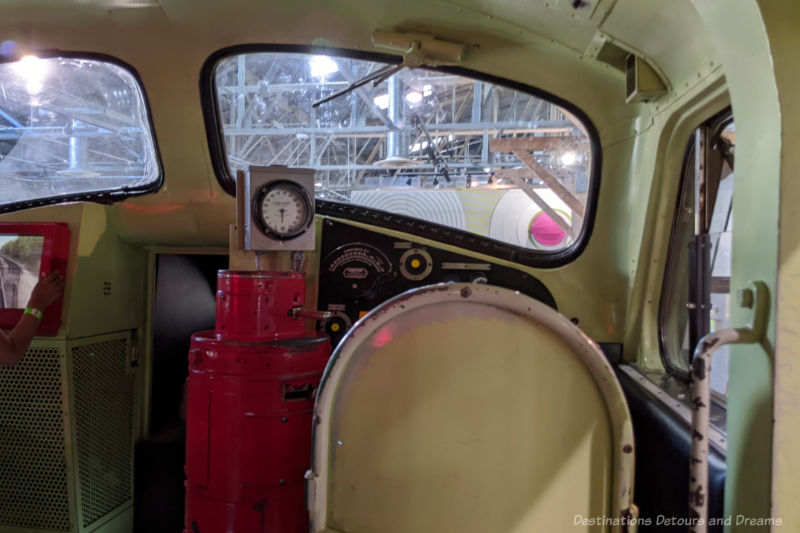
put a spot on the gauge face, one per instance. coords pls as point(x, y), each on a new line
point(357, 270)
point(283, 209)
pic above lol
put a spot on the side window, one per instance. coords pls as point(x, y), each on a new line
point(442, 147)
point(696, 295)
point(72, 128)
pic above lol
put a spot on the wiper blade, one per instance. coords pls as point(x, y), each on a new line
point(377, 77)
point(435, 156)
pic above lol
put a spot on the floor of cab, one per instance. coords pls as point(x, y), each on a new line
point(159, 493)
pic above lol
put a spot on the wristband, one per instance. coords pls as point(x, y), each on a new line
point(33, 311)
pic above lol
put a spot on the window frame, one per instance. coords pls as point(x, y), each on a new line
point(695, 319)
point(672, 255)
point(105, 196)
point(418, 227)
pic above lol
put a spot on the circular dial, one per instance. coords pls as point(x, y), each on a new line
point(416, 264)
point(357, 270)
point(283, 209)
point(337, 326)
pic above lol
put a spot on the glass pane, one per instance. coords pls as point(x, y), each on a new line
point(674, 311)
point(674, 314)
point(20, 262)
point(721, 239)
point(445, 148)
point(71, 126)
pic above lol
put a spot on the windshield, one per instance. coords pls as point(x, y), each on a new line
point(428, 144)
point(72, 128)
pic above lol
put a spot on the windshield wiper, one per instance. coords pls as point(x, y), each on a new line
point(437, 160)
point(377, 77)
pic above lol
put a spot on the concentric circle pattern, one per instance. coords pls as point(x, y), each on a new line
point(511, 220)
point(441, 207)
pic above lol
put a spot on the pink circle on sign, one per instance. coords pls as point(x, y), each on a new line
point(545, 231)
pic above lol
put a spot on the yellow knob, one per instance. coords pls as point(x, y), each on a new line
point(415, 263)
point(335, 327)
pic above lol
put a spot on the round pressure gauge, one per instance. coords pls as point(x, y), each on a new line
point(283, 209)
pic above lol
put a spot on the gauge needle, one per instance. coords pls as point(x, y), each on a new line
point(282, 212)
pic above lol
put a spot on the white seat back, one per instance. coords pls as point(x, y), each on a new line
point(468, 408)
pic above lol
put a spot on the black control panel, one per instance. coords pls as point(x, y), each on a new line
point(359, 269)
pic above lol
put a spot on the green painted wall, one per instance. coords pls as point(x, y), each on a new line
point(738, 31)
point(782, 19)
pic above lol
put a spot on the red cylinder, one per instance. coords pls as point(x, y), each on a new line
point(249, 415)
point(255, 305)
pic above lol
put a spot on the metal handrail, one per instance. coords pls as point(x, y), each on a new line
point(754, 297)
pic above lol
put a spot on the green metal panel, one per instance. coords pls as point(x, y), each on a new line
point(110, 277)
point(738, 31)
point(781, 19)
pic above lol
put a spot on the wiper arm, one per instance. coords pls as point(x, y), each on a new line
point(377, 77)
point(435, 156)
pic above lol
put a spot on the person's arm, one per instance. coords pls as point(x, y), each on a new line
point(14, 344)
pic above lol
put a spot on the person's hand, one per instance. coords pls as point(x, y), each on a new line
point(46, 291)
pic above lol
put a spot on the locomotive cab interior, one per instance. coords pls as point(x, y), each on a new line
point(512, 224)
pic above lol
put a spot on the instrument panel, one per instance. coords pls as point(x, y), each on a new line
point(359, 269)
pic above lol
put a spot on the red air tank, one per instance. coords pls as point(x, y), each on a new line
point(250, 397)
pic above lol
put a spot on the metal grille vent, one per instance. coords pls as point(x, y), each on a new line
point(104, 409)
point(33, 468)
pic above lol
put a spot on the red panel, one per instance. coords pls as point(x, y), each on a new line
point(55, 252)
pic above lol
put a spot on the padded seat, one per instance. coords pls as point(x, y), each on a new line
point(468, 408)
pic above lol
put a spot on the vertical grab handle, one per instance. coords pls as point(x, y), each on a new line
point(754, 297)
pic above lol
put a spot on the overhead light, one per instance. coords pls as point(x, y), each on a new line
point(382, 100)
point(569, 158)
point(413, 97)
point(487, 169)
point(322, 66)
point(318, 184)
point(33, 70)
point(427, 90)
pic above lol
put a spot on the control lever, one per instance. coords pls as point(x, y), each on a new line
point(299, 312)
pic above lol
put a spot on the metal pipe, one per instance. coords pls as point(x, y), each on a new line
point(445, 129)
point(477, 102)
point(78, 151)
point(310, 314)
point(701, 408)
point(393, 140)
